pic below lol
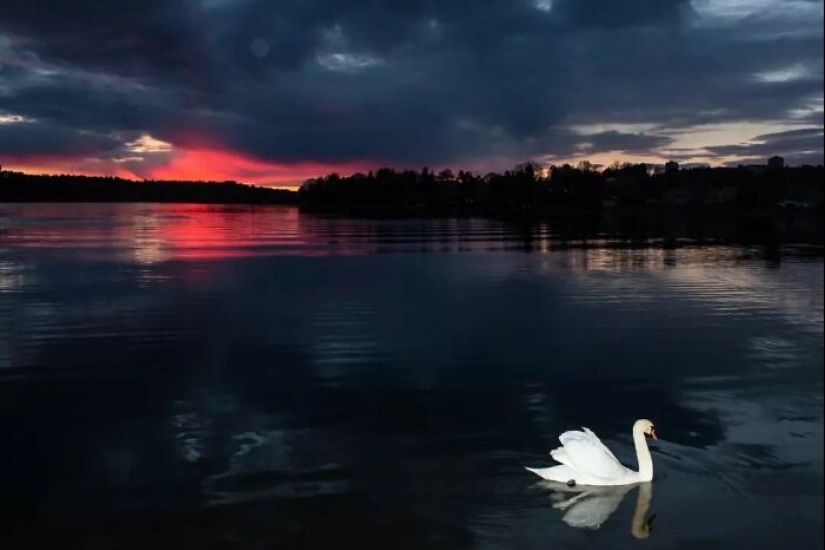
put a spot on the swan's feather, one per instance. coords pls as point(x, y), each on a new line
point(585, 453)
point(560, 456)
point(559, 474)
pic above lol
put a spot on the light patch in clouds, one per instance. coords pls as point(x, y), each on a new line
point(545, 6)
point(123, 160)
point(624, 128)
point(737, 10)
point(14, 119)
point(787, 74)
point(721, 144)
point(347, 62)
point(711, 135)
point(148, 144)
point(814, 108)
point(731, 9)
point(336, 53)
point(607, 158)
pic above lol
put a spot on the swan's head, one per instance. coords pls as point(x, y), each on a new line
point(647, 428)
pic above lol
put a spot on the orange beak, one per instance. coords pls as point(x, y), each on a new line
point(654, 434)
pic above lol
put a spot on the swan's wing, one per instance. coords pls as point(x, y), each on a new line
point(585, 453)
point(560, 456)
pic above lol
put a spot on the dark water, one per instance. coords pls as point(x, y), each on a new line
point(222, 377)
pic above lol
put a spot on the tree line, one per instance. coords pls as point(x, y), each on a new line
point(19, 187)
point(525, 189)
point(530, 187)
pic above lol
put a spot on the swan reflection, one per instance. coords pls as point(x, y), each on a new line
point(590, 507)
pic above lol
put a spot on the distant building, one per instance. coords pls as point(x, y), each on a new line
point(671, 167)
point(776, 163)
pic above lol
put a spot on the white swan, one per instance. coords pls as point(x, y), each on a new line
point(584, 460)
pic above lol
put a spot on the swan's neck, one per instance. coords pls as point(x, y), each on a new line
point(643, 454)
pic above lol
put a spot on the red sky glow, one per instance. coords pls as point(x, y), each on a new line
point(211, 164)
point(186, 165)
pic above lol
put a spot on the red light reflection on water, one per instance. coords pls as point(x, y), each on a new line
point(153, 233)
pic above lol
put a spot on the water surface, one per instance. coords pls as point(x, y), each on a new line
point(234, 377)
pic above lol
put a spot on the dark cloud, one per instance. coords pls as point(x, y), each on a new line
point(48, 140)
point(629, 13)
point(407, 82)
point(153, 38)
point(624, 142)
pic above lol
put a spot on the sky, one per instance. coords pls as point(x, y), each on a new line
point(274, 92)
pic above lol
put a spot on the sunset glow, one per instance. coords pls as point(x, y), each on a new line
point(202, 165)
point(186, 165)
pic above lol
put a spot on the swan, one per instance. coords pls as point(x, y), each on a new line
point(584, 460)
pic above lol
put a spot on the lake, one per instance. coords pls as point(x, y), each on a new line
point(184, 376)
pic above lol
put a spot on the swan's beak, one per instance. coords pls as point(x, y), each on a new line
point(654, 434)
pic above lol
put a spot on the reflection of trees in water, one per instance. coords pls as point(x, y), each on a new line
point(366, 235)
point(664, 231)
point(668, 230)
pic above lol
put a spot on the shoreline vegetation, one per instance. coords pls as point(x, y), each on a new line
point(531, 188)
point(19, 187)
point(743, 204)
point(770, 204)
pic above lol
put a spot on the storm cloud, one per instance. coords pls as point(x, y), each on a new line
point(413, 82)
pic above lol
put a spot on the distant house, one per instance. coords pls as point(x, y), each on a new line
point(671, 167)
point(776, 163)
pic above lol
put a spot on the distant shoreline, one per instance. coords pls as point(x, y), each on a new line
point(783, 205)
point(16, 187)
